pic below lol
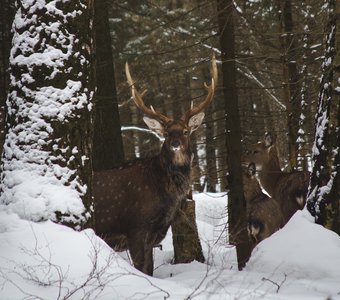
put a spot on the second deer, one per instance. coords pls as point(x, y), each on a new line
point(288, 188)
point(263, 213)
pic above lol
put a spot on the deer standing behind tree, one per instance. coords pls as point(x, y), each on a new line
point(264, 215)
point(288, 188)
point(136, 203)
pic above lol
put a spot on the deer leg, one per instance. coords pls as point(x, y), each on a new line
point(136, 248)
point(148, 260)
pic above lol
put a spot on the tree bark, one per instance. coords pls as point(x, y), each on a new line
point(6, 19)
point(236, 203)
point(211, 170)
point(107, 139)
point(290, 78)
point(48, 143)
point(186, 242)
point(324, 190)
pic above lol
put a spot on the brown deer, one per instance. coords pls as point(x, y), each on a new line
point(136, 203)
point(263, 213)
point(288, 188)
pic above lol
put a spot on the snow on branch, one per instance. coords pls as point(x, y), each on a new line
point(246, 72)
point(136, 128)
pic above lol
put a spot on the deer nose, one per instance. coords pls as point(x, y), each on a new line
point(175, 144)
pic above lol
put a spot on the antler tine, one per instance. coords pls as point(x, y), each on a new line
point(210, 89)
point(138, 99)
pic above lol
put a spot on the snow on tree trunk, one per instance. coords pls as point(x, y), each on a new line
point(302, 159)
point(46, 168)
point(291, 76)
point(325, 148)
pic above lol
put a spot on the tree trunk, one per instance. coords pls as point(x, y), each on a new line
point(107, 139)
point(324, 191)
point(48, 144)
point(186, 242)
point(6, 19)
point(236, 203)
point(196, 173)
point(211, 171)
point(290, 78)
point(305, 96)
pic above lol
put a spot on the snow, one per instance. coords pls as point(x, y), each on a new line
point(44, 260)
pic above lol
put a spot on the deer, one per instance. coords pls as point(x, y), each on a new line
point(264, 215)
point(136, 203)
point(289, 189)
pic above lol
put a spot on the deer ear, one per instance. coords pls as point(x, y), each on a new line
point(195, 121)
point(251, 169)
point(154, 125)
point(269, 139)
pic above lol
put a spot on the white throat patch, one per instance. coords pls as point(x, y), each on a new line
point(179, 158)
point(175, 149)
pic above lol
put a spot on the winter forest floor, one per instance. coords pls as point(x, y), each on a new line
point(49, 261)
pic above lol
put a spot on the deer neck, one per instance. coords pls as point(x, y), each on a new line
point(252, 191)
point(175, 161)
point(176, 176)
point(270, 172)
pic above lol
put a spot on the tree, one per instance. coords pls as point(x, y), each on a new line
point(107, 140)
point(237, 223)
point(185, 238)
point(267, 65)
point(324, 192)
point(6, 19)
point(290, 76)
point(46, 168)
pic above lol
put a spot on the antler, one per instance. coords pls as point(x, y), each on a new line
point(210, 89)
point(138, 99)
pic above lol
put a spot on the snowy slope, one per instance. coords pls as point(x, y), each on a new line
point(49, 261)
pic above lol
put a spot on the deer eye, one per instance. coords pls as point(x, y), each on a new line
point(165, 134)
point(185, 132)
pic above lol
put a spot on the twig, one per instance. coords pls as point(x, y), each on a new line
point(275, 283)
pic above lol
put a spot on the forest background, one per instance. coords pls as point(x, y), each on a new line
point(278, 65)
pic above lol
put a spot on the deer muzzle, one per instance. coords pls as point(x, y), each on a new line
point(176, 146)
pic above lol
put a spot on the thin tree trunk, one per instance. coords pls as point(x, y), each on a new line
point(211, 170)
point(236, 203)
point(186, 242)
point(290, 78)
point(107, 139)
point(196, 173)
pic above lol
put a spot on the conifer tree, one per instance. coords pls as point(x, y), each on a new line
point(324, 191)
point(46, 168)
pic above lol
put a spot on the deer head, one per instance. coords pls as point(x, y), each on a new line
point(176, 132)
point(251, 186)
point(263, 153)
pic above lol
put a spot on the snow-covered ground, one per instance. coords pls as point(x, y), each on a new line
point(49, 261)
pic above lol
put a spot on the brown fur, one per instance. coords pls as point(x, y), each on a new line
point(135, 204)
point(288, 188)
point(264, 213)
